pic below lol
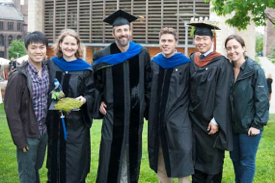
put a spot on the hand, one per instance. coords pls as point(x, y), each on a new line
point(81, 99)
point(102, 108)
point(253, 131)
point(25, 149)
point(212, 128)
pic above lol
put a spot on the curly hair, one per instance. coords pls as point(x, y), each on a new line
point(168, 30)
point(67, 32)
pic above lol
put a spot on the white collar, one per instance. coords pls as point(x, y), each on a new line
point(208, 52)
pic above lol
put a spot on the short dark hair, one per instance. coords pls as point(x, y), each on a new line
point(35, 37)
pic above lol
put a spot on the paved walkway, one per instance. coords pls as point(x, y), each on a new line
point(269, 68)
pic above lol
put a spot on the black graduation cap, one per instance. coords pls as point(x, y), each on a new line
point(204, 29)
point(119, 18)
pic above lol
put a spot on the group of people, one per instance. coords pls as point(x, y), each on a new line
point(196, 108)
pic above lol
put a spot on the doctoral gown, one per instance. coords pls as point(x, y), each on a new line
point(209, 97)
point(125, 89)
point(169, 120)
point(69, 161)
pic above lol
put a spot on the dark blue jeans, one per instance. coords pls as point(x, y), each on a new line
point(244, 155)
point(31, 161)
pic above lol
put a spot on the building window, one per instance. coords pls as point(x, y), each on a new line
point(19, 26)
point(1, 25)
point(10, 25)
point(2, 54)
point(10, 38)
point(19, 37)
point(2, 40)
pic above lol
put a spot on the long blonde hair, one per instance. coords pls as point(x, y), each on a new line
point(67, 32)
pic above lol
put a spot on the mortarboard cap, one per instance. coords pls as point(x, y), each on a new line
point(204, 29)
point(119, 18)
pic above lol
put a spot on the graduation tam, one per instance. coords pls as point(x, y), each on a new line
point(204, 29)
point(119, 18)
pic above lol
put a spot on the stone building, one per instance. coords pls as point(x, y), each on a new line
point(12, 26)
point(269, 35)
point(85, 16)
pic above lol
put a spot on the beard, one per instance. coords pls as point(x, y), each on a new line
point(122, 43)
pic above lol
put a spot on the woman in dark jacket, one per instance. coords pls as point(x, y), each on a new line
point(249, 103)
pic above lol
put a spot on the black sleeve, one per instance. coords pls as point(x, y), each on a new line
point(261, 100)
point(148, 82)
point(88, 94)
point(98, 94)
point(222, 111)
point(12, 100)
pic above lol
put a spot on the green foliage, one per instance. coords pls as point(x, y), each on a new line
point(258, 60)
point(245, 11)
point(272, 55)
point(192, 31)
point(259, 42)
point(67, 104)
point(56, 95)
point(16, 49)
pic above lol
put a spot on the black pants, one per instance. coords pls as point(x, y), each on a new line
point(201, 177)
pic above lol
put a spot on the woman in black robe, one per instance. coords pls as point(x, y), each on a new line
point(69, 158)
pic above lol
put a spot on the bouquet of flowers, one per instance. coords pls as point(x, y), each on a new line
point(67, 104)
point(63, 104)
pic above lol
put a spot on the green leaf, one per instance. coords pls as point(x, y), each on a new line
point(16, 49)
point(244, 11)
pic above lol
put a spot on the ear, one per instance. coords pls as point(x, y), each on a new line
point(130, 35)
point(113, 34)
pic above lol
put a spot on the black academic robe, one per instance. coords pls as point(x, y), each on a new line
point(124, 88)
point(209, 97)
point(69, 161)
point(169, 120)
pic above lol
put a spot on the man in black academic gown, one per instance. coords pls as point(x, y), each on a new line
point(170, 132)
point(122, 78)
point(210, 76)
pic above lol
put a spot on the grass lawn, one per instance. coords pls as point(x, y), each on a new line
point(265, 172)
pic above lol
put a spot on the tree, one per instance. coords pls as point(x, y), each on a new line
point(272, 55)
point(245, 11)
point(16, 49)
point(259, 42)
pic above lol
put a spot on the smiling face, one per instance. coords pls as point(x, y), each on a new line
point(36, 52)
point(122, 35)
point(69, 48)
point(167, 44)
point(203, 43)
point(235, 51)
